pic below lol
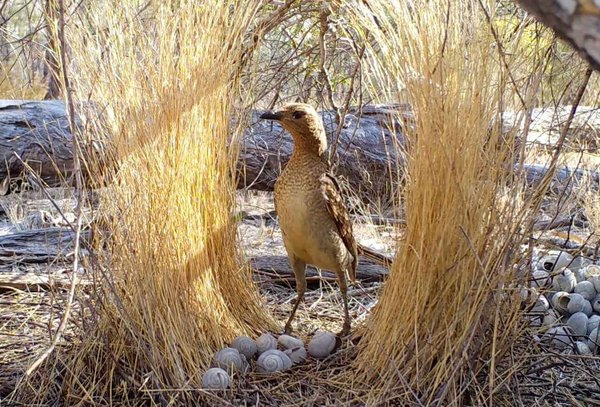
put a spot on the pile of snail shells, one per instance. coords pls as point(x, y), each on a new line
point(566, 295)
point(269, 359)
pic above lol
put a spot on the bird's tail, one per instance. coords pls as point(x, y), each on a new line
point(375, 257)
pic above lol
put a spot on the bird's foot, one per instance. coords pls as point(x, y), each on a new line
point(345, 331)
point(287, 330)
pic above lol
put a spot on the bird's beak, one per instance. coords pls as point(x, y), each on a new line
point(271, 116)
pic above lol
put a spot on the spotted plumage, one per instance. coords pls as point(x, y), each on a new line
point(314, 221)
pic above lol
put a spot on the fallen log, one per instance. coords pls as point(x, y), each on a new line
point(368, 147)
point(37, 133)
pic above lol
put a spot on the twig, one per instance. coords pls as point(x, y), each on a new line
point(323, 75)
point(78, 185)
point(340, 125)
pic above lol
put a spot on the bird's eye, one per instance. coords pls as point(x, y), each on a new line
point(297, 114)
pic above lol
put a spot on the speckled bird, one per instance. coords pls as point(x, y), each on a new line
point(314, 221)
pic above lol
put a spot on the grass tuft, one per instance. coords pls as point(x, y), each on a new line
point(173, 284)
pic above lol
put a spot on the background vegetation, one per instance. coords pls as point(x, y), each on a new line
point(172, 283)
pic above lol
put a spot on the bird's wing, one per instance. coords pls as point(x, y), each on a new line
point(335, 205)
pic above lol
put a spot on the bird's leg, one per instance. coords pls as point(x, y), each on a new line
point(299, 268)
point(344, 290)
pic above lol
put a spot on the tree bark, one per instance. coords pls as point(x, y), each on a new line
point(37, 133)
point(370, 146)
point(575, 21)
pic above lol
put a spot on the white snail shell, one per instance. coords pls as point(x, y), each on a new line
point(578, 324)
point(586, 289)
point(540, 278)
point(582, 348)
point(595, 280)
point(594, 340)
point(321, 345)
point(592, 270)
point(593, 323)
point(541, 304)
point(245, 345)
point(560, 301)
point(230, 359)
point(289, 342)
point(580, 263)
point(556, 260)
point(579, 275)
point(564, 281)
point(596, 304)
point(558, 336)
point(266, 342)
point(297, 355)
point(215, 379)
point(550, 318)
point(575, 303)
point(273, 360)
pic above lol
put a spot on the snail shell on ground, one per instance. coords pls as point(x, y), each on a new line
point(575, 303)
point(541, 305)
point(550, 318)
point(594, 340)
point(586, 289)
point(596, 303)
point(595, 280)
point(593, 323)
point(556, 260)
point(587, 308)
point(579, 263)
point(592, 270)
point(560, 300)
point(581, 348)
point(289, 342)
point(273, 360)
point(266, 342)
point(558, 336)
point(564, 281)
point(579, 275)
point(245, 345)
point(230, 359)
point(297, 355)
point(540, 278)
point(215, 379)
point(321, 345)
point(578, 324)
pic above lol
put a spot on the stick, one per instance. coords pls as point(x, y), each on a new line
point(79, 190)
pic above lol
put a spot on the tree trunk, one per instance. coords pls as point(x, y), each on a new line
point(575, 21)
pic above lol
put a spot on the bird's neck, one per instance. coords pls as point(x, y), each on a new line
point(314, 144)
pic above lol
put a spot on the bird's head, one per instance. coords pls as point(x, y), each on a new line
point(304, 124)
